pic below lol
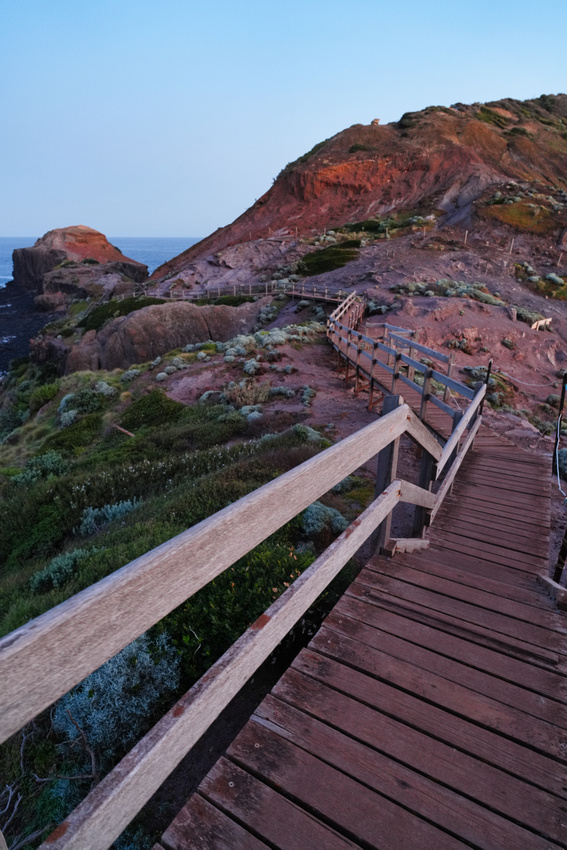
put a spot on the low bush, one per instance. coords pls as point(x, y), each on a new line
point(42, 395)
point(150, 410)
point(58, 571)
point(77, 435)
point(94, 519)
point(94, 320)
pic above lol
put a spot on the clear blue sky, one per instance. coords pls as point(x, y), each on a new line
point(170, 117)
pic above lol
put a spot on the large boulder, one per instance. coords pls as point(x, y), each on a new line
point(72, 244)
point(152, 331)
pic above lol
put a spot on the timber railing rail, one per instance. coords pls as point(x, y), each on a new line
point(45, 658)
point(299, 289)
point(369, 355)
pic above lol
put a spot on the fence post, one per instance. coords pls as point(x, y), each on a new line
point(449, 374)
point(386, 467)
point(558, 428)
point(426, 472)
point(395, 376)
point(425, 393)
point(374, 360)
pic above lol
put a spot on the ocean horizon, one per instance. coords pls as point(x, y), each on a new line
point(150, 250)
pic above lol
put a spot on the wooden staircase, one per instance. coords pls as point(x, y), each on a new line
point(429, 710)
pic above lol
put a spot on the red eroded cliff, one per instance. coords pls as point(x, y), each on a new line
point(439, 158)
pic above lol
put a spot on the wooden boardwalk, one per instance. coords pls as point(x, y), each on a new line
point(429, 709)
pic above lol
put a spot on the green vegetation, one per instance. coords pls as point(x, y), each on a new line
point(112, 309)
point(226, 300)
point(521, 216)
point(490, 117)
point(328, 259)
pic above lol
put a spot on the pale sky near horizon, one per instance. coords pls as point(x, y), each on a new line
point(170, 117)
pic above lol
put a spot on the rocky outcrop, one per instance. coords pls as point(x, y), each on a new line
point(152, 331)
point(437, 159)
point(80, 245)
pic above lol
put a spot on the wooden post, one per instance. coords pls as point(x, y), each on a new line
point(397, 359)
point(558, 572)
point(411, 370)
point(449, 373)
point(425, 394)
point(511, 245)
point(466, 236)
point(374, 360)
point(426, 476)
point(457, 416)
point(558, 428)
point(386, 467)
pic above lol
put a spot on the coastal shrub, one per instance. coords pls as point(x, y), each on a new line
point(58, 571)
point(94, 320)
point(114, 705)
point(45, 466)
point(94, 519)
point(76, 436)
point(318, 517)
point(87, 401)
point(90, 261)
point(249, 391)
point(152, 409)
point(42, 395)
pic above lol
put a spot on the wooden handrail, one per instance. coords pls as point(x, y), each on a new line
point(42, 660)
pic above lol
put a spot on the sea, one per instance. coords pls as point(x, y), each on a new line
point(19, 322)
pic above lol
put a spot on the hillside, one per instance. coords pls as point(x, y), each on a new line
point(437, 159)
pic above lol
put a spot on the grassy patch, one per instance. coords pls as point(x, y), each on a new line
point(521, 216)
point(328, 259)
point(490, 117)
point(112, 309)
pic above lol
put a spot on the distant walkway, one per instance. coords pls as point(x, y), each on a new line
point(429, 710)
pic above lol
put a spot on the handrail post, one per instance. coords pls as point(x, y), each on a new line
point(487, 379)
point(396, 372)
point(386, 467)
point(457, 416)
point(426, 477)
point(558, 428)
point(425, 393)
point(450, 366)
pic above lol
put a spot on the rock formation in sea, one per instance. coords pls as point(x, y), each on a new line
point(74, 262)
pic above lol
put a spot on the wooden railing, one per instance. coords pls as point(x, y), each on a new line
point(299, 289)
point(42, 660)
point(366, 354)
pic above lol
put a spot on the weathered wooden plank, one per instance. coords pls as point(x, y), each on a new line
point(501, 603)
point(202, 826)
point(503, 624)
point(466, 736)
point(297, 695)
point(419, 794)
point(349, 806)
point(467, 703)
point(277, 820)
point(501, 553)
point(433, 660)
point(476, 633)
point(110, 806)
point(45, 658)
point(542, 682)
point(517, 541)
point(485, 579)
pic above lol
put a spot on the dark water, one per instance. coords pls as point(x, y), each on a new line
point(18, 320)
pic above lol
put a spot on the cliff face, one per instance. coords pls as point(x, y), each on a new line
point(440, 158)
point(73, 244)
